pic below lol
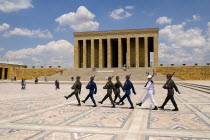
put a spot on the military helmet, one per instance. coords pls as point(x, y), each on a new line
point(109, 78)
point(117, 77)
point(91, 78)
point(127, 77)
point(168, 76)
point(78, 77)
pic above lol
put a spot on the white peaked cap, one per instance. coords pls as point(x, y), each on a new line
point(149, 76)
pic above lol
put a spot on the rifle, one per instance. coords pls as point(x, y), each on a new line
point(169, 79)
point(90, 81)
point(150, 78)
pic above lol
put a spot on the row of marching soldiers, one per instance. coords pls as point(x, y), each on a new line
point(128, 86)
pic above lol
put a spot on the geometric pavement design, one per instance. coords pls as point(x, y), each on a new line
point(42, 113)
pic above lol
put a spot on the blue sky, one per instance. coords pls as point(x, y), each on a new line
point(36, 32)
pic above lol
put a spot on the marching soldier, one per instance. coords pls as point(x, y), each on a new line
point(170, 86)
point(109, 86)
point(150, 93)
point(117, 87)
point(127, 87)
point(77, 90)
point(93, 90)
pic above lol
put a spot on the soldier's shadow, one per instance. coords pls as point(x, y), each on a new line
point(145, 108)
point(72, 104)
point(107, 106)
point(89, 105)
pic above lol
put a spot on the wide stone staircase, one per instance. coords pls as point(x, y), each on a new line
point(137, 74)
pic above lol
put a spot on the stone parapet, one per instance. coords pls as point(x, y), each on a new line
point(186, 72)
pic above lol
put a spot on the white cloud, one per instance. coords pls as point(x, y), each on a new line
point(15, 5)
point(164, 20)
point(55, 53)
point(208, 32)
point(196, 17)
point(179, 45)
point(129, 7)
point(120, 14)
point(81, 20)
point(28, 33)
point(186, 38)
point(4, 27)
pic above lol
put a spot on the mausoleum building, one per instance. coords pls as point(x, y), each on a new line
point(110, 49)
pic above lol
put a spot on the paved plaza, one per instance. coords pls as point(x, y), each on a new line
point(42, 113)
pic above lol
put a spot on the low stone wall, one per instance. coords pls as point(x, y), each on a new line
point(31, 73)
point(186, 72)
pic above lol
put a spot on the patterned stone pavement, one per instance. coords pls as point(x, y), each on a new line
point(42, 113)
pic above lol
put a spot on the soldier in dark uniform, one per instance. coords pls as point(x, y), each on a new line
point(93, 90)
point(170, 86)
point(109, 86)
point(117, 87)
point(127, 87)
point(77, 90)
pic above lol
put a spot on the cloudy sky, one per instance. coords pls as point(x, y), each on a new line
point(40, 32)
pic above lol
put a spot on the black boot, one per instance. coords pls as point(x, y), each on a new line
point(155, 108)
point(139, 104)
point(83, 101)
point(94, 105)
point(176, 109)
point(100, 102)
point(122, 103)
point(79, 104)
point(113, 106)
point(161, 107)
point(66, 97)
point(131, 107)
point(118, 103)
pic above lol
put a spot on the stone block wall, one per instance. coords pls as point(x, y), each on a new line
point(31, 73)
point(186, 72)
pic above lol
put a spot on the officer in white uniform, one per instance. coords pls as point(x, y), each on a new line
point(150, 93)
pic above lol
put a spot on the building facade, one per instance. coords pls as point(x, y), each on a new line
point(110, 49)
point(7, 70)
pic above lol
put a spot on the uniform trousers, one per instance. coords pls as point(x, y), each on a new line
point(91, 96)
point(76, 94)
point(170, 97)
point(128, 97)
point(110, 98)
point(151, 96)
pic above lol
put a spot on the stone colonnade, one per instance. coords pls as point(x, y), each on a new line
point(107, 49)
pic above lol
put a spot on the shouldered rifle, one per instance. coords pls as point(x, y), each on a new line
point(150, 78)
point(169, 79)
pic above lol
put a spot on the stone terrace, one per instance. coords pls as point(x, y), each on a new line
point(41, 113)
point(137, 74)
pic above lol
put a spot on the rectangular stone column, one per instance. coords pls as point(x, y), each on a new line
point(101, 59)
point(84, 54)
point(76, 54)
point(137, 51)
point(109, 63)
point(155, 50)
point(128, 61)
point(92, 54)
point(146, 51)
point(3, 71)
point(119, 53)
